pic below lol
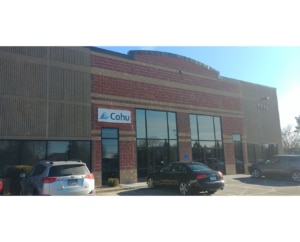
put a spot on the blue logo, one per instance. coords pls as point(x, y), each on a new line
point(104, 116)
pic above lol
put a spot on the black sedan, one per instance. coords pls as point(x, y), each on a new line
point(189, 177)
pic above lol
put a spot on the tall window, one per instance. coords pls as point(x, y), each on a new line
point(110, 154)
point(156, 139)
point(238, 153)
point(206, 137)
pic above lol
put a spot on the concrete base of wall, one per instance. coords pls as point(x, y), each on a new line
point(128, 176)
point(230, 169)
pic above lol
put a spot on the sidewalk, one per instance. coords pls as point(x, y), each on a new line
point(121, 187)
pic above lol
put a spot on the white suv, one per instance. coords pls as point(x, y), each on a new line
point(58, 178)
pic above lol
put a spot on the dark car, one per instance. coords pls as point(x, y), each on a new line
point(284, 166)
point(215, 164)
point(189, 177)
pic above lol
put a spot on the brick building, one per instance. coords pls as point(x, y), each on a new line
point(127, 114)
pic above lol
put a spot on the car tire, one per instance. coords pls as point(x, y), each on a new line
point(184, 188)
point(150, 183)
point(255, 173)
point(295, 176)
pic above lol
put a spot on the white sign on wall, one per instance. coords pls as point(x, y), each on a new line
point(114, 116)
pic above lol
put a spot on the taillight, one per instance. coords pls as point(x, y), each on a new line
point(89, 176)
point(201, 177)
point(220, 174)
point(49, 179)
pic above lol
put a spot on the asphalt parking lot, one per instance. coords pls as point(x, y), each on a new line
point(235, 185)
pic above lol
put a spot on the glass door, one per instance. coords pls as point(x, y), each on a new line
point(110, 154)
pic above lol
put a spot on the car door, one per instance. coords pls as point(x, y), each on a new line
point(164, 176)
point(178, 174)
point(33, 179)
point(272, 167)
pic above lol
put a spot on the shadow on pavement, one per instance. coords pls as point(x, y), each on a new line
point(274, 181)
point(154, 192)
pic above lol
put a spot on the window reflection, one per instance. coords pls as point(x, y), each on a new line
point(110, 154)
point(206, 137)
point(58, 150)
point(140, 124)
point(206, 128)
point(32, 151)
point(156, 140)
point(157, 127)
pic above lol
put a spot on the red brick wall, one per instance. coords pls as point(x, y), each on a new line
point(152, 72)
point(125, 88)
point(162, 95)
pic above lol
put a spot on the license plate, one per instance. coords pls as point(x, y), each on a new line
point(72, 182)
point(213, 178)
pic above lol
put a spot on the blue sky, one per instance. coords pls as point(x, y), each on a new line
point(224, 27)
point(272, 66)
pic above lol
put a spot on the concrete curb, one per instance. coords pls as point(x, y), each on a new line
point(121, 187)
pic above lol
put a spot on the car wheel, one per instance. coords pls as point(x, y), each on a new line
point(296, 176)
point(255, 173)
point(184, 188)
point(150, 183)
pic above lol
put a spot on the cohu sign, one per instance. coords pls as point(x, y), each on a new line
point(114, 116)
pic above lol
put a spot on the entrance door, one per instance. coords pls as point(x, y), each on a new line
point(110, 154)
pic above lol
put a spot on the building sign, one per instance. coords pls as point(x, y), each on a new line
point(186, 157)
point(114, 116)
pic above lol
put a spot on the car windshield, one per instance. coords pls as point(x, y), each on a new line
point(198, 167)
point(67, 170)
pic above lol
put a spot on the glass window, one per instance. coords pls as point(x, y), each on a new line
point(218, 131)
point(157, 127)
point(33, 152)
point(140, 124)
point(172, 126)
point(80, 150)
point(58, 150)
point(109, 133)
point(206, 137)
point(9, 155)
point(194, 128)
point(9, 151)
point(156, 139)
point(206, 128)
point(110, 154)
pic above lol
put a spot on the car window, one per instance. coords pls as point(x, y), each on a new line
point(274, 160)
point(67, 170)
point(166, 168)
point(36, 170)
point(179, 168)
point(198, 167)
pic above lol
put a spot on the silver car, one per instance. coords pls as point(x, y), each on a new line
point(58, 178)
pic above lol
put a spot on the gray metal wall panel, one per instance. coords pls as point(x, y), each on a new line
point(45, 93)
